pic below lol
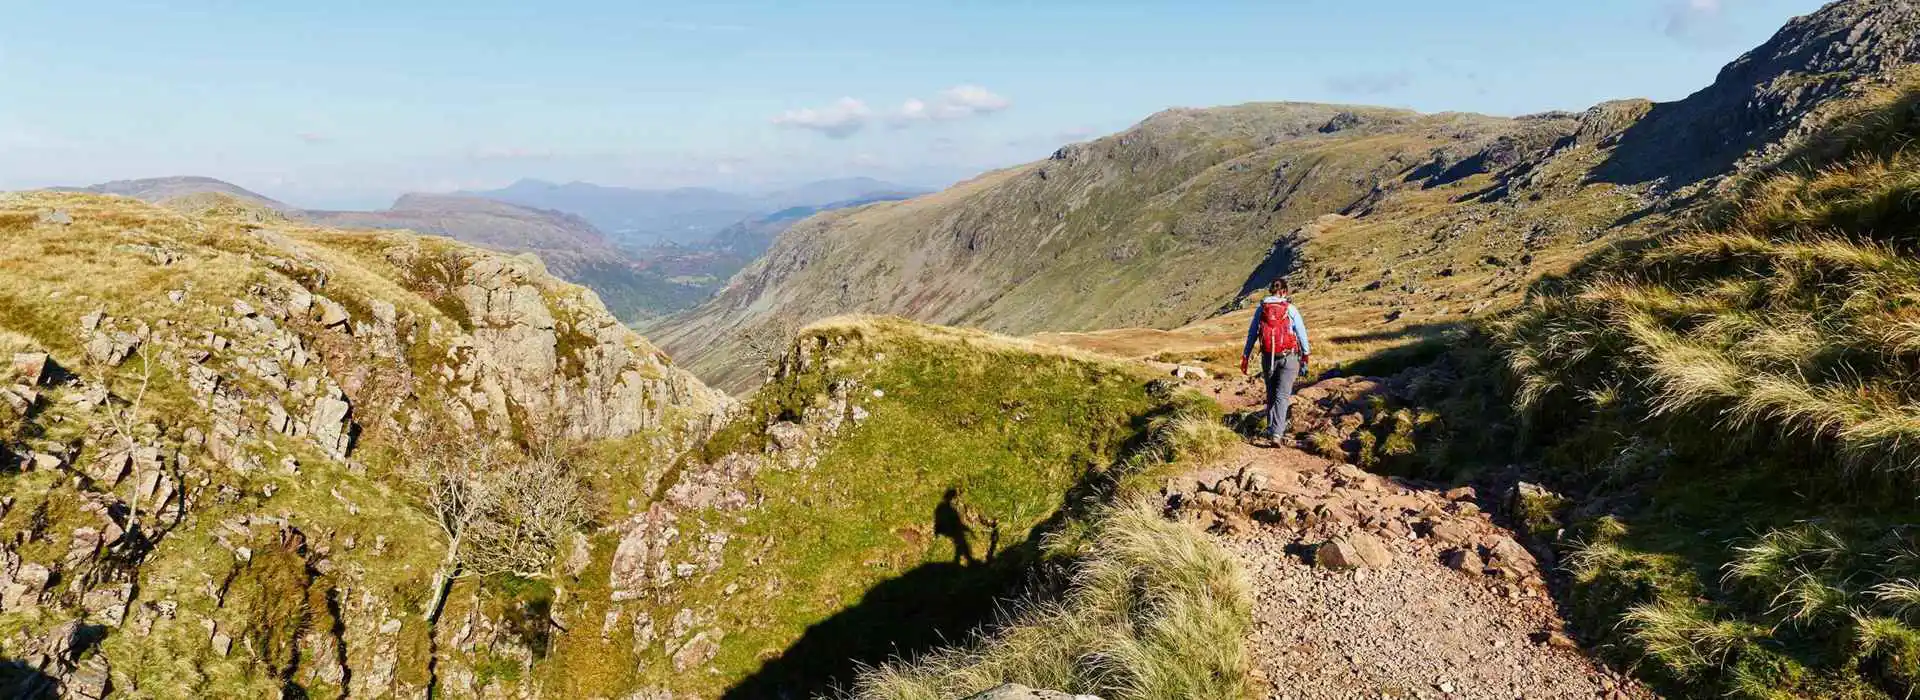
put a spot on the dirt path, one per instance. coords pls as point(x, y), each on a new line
point(1367, 588)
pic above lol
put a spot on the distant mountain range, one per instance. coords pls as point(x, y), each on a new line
point(645, 274)
point(640, 218)
point(159, 189)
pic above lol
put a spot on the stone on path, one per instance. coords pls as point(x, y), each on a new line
point(1355, 551)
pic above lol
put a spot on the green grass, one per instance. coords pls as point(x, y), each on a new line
point(847, 561)
point(1156, 611)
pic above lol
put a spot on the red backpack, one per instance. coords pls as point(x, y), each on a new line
point(1276, 330)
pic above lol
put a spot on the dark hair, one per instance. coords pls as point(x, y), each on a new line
point(1279, 285)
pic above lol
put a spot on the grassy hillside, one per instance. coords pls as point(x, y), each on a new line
point(1184, 214)
point(1732, 407)
point(875, 499)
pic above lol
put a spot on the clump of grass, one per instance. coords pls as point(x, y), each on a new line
point(1192, 435)
point(1745, 383)
point(1155, 611)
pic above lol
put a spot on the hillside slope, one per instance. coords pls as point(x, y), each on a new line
point(222, 440)
point(874, 499)
point(1736, 401)
point(1179, 217)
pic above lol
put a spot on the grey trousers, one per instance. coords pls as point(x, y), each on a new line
point(1279, 372)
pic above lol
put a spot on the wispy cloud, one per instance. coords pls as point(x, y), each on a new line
point(511, 153)
point(849, 115)
point(957, 102)
point(1693, 20)
point(838, 120)
point(1368, 84)
point(313, 138)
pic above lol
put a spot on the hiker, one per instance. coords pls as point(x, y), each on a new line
point(1284, 353)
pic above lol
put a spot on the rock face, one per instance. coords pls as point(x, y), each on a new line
point(1772, 95)
point(221, 464)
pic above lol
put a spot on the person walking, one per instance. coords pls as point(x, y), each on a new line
point(1284, 353)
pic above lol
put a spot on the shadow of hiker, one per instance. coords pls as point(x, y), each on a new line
point(940, 604)
point(931, 606)
point(949, 523)
point(18, 679)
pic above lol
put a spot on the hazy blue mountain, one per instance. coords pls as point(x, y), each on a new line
point(641, 218)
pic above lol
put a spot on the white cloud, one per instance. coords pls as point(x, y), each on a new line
point(313, 138)
point(957, 102)
point(849, 116)
point(1693, 19)
point(839, 120)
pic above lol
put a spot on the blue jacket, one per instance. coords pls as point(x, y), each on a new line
point(1293, 315)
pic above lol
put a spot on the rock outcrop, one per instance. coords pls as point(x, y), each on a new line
point(209, 425)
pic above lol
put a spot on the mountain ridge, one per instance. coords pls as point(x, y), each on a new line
point(1179, 217)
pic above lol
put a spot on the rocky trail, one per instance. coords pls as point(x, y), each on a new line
point(1375, 587)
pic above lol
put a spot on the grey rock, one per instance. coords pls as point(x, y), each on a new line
point(328, 426)
point(1015, 691)
point(31, 368)
point(698, 650)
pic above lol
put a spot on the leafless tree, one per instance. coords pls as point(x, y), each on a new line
point(502, 511)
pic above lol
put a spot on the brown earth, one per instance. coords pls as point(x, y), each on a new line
point(1367, 586)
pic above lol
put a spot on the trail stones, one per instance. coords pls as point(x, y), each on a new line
point(1355, 551)
point(1449, 532)
point(1463, 560)
point(1191, 372)
point(1509, 557)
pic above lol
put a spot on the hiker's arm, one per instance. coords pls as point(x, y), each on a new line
point(1253, 332)
point(1299, 329)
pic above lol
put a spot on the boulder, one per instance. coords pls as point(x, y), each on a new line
point(1511, 557)
point(1191, 372)
point(1355, 551)
point(1463, 560)
point(329, 428)
point(31, 368)
point(1449, 532)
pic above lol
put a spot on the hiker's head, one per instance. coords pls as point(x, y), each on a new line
point(1279, 286)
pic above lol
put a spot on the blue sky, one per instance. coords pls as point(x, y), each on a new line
point(349, 103)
